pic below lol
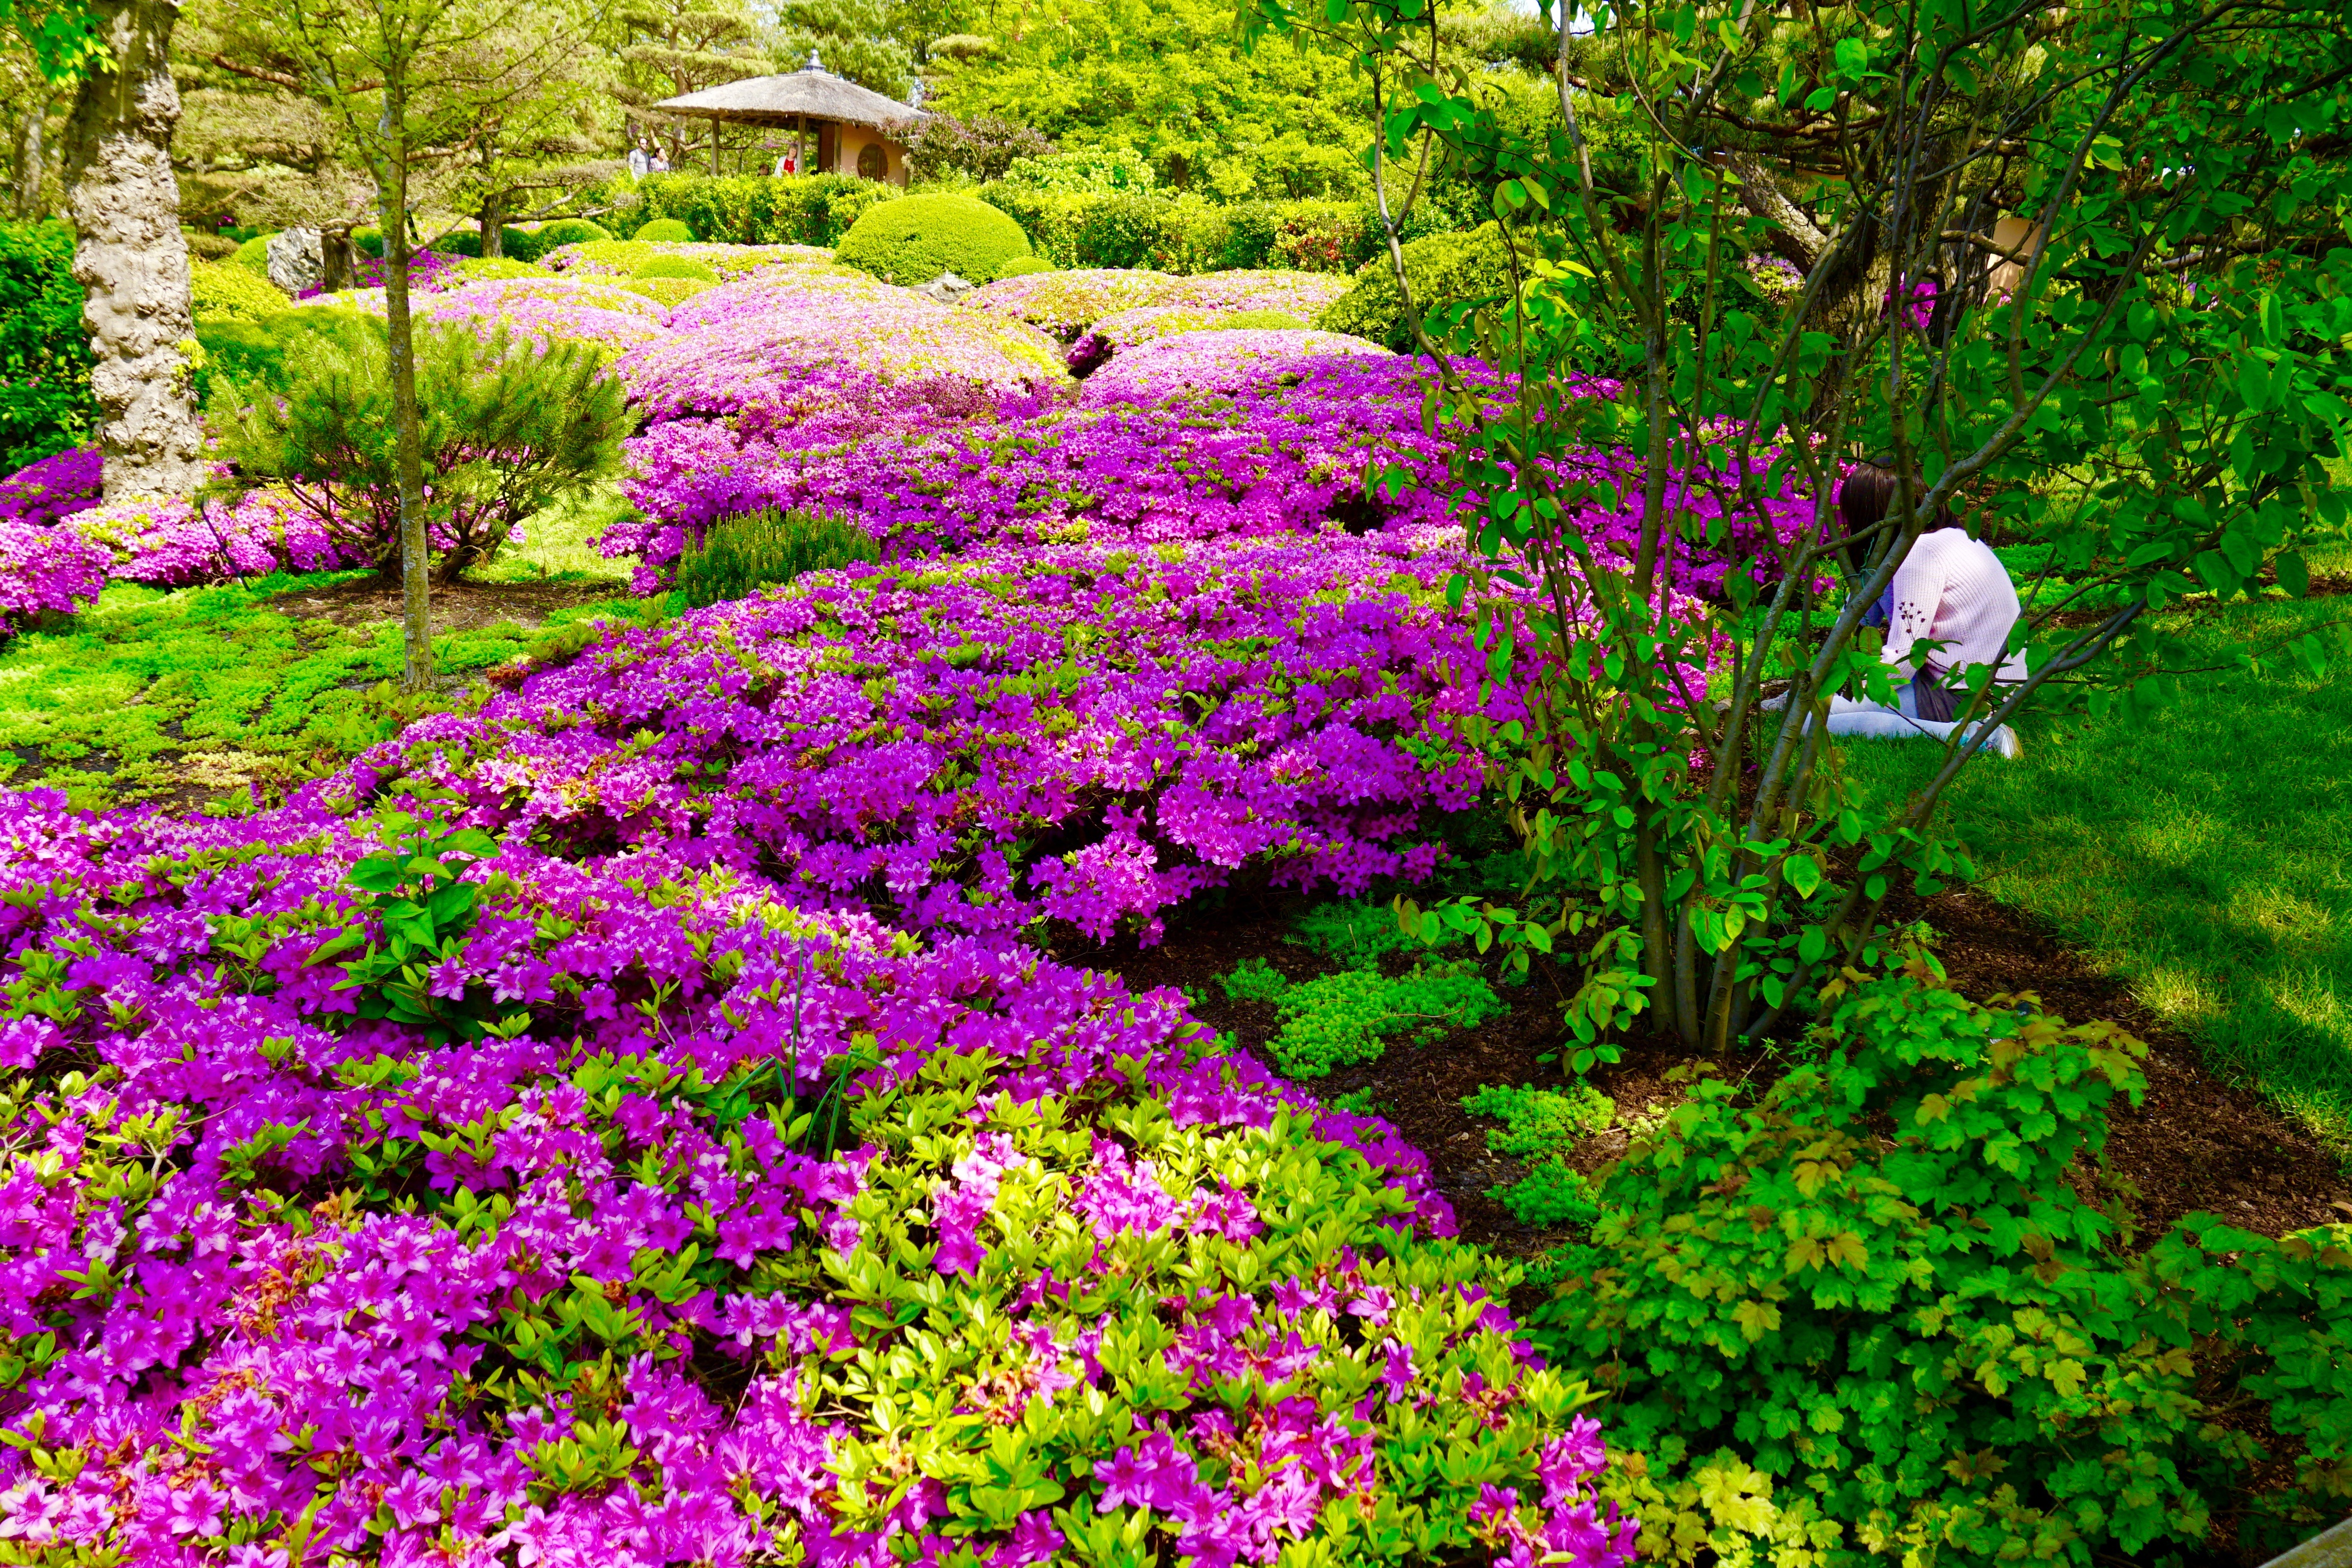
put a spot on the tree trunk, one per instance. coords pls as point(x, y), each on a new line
point(493, 226)
point(415, 549)
point(130, 258)
point(31, 160)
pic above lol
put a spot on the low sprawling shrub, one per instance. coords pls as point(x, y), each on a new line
point(738, 556)
point(507, 428)
point(1880, 1301)
point(253, 253)
point(1448, 273)
point(220, 291)
point(674, 266)
point(45, 361)
point(916, 239)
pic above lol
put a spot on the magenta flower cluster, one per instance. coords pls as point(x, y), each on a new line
point(1084, 734)
point(52, 489)
point(278, 1284)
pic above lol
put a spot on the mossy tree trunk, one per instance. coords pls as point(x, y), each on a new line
point(130, 258)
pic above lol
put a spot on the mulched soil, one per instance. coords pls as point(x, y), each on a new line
point(456, 607)
point(2198, 1143)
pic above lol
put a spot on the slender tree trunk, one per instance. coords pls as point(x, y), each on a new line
point(130, 258)
point(392, 185)
point(31, 160)
point(493, 226)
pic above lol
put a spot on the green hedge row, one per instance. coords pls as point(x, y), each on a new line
point(1174, 233)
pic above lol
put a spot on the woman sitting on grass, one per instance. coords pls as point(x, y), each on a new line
point(1952, 599)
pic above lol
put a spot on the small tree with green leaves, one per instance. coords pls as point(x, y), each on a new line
point(2139, 373)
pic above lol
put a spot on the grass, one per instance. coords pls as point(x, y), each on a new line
point(2205, 857)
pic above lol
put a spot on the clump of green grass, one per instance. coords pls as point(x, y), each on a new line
point(742, 554)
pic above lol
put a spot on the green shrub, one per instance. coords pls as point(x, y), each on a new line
point(526, 244)
point(1448, 272)
point(507, 429)
point(754, 209)
point(253, 354)
point(1021, 266)
point(482, 268)
point(668, 290)
point(1357, 933)
point(45, 359)
point(664, 229)
point(220, 292)
point(1253, 980)
point(742, 554)
point(254, 253)
point(368, 240)
point(674, 266)
point(458, 242)
point(916, 239)
point(1873, 1297)
point(1539, 1123)
point(569, 230)
point(1343, 1020)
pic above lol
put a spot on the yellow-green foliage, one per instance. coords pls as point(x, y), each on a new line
point(225, 291)
point(663, 229)
point(1445, 271)
point(480, 269)
point(254, 254)
point(916, 239)
point(666, 290)
point(1021, 266)
point(674, 266)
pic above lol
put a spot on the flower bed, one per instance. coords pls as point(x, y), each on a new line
point(619, 1281)
point(55, 487)
point(1065, 304)
point(1288, 451)
point(1086, 735)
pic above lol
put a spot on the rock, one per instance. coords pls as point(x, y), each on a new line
point(296, 260)
point(947, 288)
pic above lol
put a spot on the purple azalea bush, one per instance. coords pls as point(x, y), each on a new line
point(676, 1222)
point(55, 487)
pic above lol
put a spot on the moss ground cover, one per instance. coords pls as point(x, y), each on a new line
point(2205, 854)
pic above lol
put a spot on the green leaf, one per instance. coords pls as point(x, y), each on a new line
point(2294, 574)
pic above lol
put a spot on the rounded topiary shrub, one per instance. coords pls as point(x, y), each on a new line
point(915, 238)
point(1022, 266)
point(458, 242)
point(571, 231)
point(254, 254)
point(368, 240)
point(665, 229)
point(1444, 270)
point(674, 266)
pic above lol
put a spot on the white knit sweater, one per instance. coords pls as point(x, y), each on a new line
point(1954, 591)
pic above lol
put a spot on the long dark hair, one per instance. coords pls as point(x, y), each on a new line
point(1869, 492)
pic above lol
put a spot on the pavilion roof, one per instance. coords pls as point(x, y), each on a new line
point(812, 91)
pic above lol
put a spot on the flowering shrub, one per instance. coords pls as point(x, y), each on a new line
point(1214, 362)
point(47, 569)
point(55, 487)
point(1065, 304)
point(1125, 328)
point(621, 257)
point(625, 1282)
point(170, 541)
point(540, 311)
point(1288, 451)
point(1306, 293)
point(943, 749)
point(759, 344)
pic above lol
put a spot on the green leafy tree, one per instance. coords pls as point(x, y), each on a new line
point(407, 82)
point(852, 38)
point(2139, 376)
point(667, 50)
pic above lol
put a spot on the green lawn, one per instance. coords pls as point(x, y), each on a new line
point(198, 697)
point(2205, 857)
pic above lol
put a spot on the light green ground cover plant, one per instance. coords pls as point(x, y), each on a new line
point(1539, 1125)
point(203, 695)
point(2204, 857)
point(1347, 1018)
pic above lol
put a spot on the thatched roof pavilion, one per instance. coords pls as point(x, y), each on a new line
point(849, 129)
